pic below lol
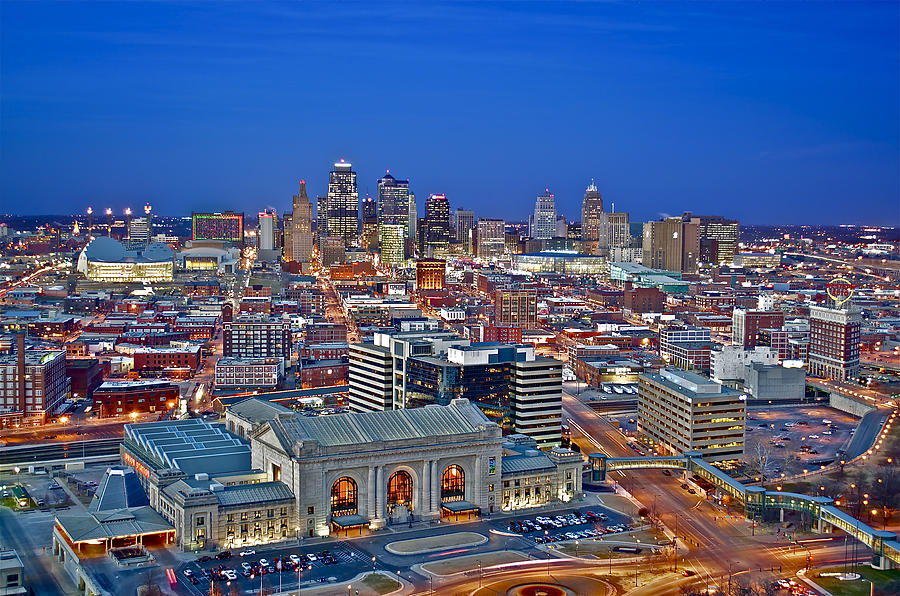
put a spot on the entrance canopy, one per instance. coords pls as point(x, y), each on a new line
point(457, 507)
point(349, 521)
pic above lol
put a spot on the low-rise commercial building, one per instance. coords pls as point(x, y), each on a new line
point(249, 373)
point(123, 398)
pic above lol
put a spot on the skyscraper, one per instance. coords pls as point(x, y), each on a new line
point(392, 240)
point(267, 226)
point(672, 244)
point(342, 203)
point(834, 342)
point(369, 224)
point(591, 213)
point(543, 226)
point(465, 223)
point(491, 238)
point(718, 238)
point(614, 231)
point(301, 247)
point(413, 218)
point(321, 216)
point(437, 225)
point(393, 201)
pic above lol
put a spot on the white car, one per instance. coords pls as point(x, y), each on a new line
point(311, 557)
point(826, 432)
point(248, 553)
point(813, 436)
point(188, 573)
point(246, 566)
point(295, 559)
point(263, 562)
point(230, 574)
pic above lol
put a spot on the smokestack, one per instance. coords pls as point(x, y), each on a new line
point(20, 361)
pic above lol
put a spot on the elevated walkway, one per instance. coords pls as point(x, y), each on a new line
point(756, 500)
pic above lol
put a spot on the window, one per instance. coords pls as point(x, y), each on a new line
point(270, 513)
point(453, 484)
point(276, 472)
point(201, 521)
point(399, 490)
point(569, 475)
point(229, 517)
point(344, 497)
point(310, 510)
point(490, 488)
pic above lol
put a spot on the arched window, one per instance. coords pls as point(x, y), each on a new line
point(343, 497)
point(400, 489)
point(453, 484)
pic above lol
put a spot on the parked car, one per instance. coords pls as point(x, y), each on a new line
point(248, 553)
point(225, 554)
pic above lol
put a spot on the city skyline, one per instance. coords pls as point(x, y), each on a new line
point(668, 111)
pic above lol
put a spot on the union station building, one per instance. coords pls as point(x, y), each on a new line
point(270, 474)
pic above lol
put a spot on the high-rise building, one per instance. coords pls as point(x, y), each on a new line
point(491, 238)
point(394, 202)
point(430, 274)
point(413, 217)
point(392, 242)
point(35, 385)
point(342, 203)
point(614, 232)
point(369, 224)
point(257, 336)
point(685, 346)
point(681, 411)
point(267, 224)
point(138, 232)
point(834, 342)
point(437, 225)
point(227, 226)
point(562, 227)
point(672, 244)
point(301, 245)
point(543, 222)
point(718, 238)
point(591, 212)
point(321, 215)
point(516, 307)
point(465, 223)
point(331, 250)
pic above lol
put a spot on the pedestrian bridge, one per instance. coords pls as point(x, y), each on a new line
point(756, 500)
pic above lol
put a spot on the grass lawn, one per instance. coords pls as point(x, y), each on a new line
point(601, 548)
point(435, 543)
point(381, 583)
point(857, 587)
point(470, 562)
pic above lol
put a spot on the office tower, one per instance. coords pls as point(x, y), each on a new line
point(437, 225)
point(413, 218)
point(591, 212)
point(227, 226)
point(268, 223)
point(35, 384)
point(536, 398)
point(301, 245)
point(331, 250)
point(746, 325)
point(394, 202)
point(465, 223)
point(543, 223)
point(834, 342)
point(342, 203)
point(613, 230)
point(138, 231)
point(368, 208)
point(491, 238)
point(718, 237)
point(371, 386)
point(562, 227)
point(682, 411)
point(516, 307)
point(287, 237)
point(392, 242)
point(257, 336)
point(672, 244)
point(321, 216)
point(369, 224)
point(430, 274)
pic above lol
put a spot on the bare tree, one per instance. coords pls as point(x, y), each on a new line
point(761, 462)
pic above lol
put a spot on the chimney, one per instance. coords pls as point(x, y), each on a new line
point(20, 361)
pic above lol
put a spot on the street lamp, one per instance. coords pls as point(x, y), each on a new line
point(373, 563)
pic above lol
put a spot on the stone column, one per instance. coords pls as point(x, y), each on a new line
point(379, 495)
point(326, 505)
point(435, 487)
point(424, 493)
point(370, 495)
point(473, 494)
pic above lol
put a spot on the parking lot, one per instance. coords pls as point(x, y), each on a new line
point(251, 568)
point(798, 437)
point(575, 525)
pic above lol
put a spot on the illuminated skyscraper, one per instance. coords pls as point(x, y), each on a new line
point(393, 201)
point(369, 226)
point(465, 223)
point(543, 222)
point(342, 203)
point(392, 239)
point(672, 244)
point(491, 238)
point(437, 225)
point(413, 218)
point(614, 230)
point(301, 241)
point(718, 238)
point(591, 212)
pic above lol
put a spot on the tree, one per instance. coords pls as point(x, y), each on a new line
point(761, 462)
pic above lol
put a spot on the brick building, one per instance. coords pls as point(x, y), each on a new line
point(123, 398)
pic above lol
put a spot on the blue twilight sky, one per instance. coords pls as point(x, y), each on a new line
point(772, 112)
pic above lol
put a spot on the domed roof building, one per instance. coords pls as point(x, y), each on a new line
point(106, 259)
